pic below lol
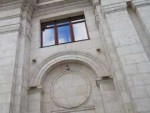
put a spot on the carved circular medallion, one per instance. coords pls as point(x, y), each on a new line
point(70, 90)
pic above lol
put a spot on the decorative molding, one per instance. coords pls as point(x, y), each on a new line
point(75, 109)
point(140, 3)
point(11, 5)
point(10, 17)
point(114, 7)
point(49, 2)
point(78, 101)
point(98, 81)
point(11, 28)
point(55, 8)
point(97, 18)
point(97, 66)
point(35, 90)
point(103, 79)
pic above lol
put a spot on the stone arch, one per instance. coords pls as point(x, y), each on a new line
point(97, 66)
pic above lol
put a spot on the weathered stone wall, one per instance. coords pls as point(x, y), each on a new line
point(127, 39)
point(88, 46)
point(9, 38)
point(15, 43)
point(120, 29)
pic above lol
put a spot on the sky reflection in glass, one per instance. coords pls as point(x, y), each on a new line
point(48, 37)
point(64, 34)
point(64, 31)
point(80, 32)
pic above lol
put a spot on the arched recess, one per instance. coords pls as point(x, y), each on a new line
point(96, 65)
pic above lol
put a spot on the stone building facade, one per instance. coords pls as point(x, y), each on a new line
point(108, 73)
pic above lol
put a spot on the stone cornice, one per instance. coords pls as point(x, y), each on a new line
point(49, 2)
point(55, 8)
point(11, 5)
point(10, 28)
point(114, 7)
point(140, 3)
point(17, 4)
point(10, 17)
point(96, 2)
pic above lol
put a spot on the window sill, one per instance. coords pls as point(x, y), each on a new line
point(65, 43)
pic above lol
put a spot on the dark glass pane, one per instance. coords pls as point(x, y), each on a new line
point(64, 34)
point(48, 37)
point(80, 32)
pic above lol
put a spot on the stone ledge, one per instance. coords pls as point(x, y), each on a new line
point(50, 2)
point(113, 7)
point(10, 28)
point(140, 3)
point(36, 89)
point(10, 5)
point(10, 17)
point(74, 110)
point(103, 79)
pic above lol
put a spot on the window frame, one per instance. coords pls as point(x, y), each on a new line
point(70, 24)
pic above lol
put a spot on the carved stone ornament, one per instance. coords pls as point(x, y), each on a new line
point(70, 90)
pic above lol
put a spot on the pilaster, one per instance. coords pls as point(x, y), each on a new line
point(10, 31)
point(131, 56)
point(20, 103)
point(142, 9)
point(35, 100)
point(116, 69)
point(109, 95)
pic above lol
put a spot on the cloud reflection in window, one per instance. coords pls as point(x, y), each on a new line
point(80, 32)
point(48, 37)
point(64, 34)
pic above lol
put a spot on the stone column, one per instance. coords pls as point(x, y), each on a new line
point(35, 100)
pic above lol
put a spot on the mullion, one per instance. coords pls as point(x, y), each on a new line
point(56, 34)
point(71, 32)
point(87, 29)
point(42, 38)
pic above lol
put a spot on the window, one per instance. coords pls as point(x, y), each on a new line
point(64, 31)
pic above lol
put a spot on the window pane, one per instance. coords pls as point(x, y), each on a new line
point(80, 32)
point(64, 34)
point(48, 37)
